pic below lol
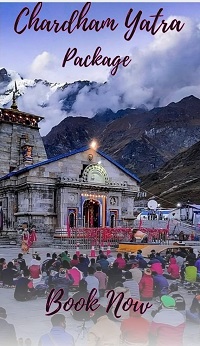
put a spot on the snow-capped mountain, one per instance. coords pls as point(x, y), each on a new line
point(51, 100)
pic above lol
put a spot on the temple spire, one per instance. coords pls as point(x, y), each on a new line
point(14, 104)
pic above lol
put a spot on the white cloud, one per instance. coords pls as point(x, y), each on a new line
point(44, 66)
point(165, 70)
point(168, 66)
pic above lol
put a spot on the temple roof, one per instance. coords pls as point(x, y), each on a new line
point(65, 155)
point(18, 117)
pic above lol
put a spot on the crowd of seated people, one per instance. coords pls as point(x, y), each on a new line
point(141, 279)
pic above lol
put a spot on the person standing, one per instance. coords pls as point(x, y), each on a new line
point(57, 335)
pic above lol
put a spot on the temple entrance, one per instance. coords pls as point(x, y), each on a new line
point(91, 213)
point(72, 220)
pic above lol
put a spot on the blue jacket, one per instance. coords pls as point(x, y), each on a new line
point(160, 282)
point(63, 283)
point(57, 337)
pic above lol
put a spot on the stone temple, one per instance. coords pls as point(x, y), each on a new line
point(81, 188)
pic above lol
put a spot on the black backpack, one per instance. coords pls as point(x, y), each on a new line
point(180, 301)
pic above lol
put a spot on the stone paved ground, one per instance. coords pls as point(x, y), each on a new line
point(30, 320)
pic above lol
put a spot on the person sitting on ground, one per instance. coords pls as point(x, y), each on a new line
point(190, 272)
point(8, 275)
point(161, 259)
point(119, 288)
point(193, 314)
point(57, 335)
point(35, 268)
point(65, 256)
point(82, 266)
point(50, 263)
point(82, 314)
point(103, 263)
point(104, 331)
point(135, 271)
point(152, 259)
point(173, 270)
point(103, 280)
point(100, 253)
point(2, 266)
point(121, 261)
point(191, 256)
point(77, 276)
point(16, 267)
point(114, 275)
point(44, 263)
point(93, 264)
point(167, 322)
point(135, 329)
point(179, 260)
point(41, 287)
point(92, 281)
point(142, 263)
point(161, 285)
point(21, 261)
point(24, 289)
point(74, 260)
point(63, 280)
point(155, 265)
point(66, 265)
point(197, 265)
point(146, 285)
point(132, 285)
point(111, 259)
point(139, 255)
point(7, 330)
point(131, 259)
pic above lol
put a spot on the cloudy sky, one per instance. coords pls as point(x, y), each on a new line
point(164, 67)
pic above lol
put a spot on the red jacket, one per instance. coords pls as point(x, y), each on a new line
point(121, 262)
point(35, 271)
point(173, 269)
point(146, 286)
point(157, 267)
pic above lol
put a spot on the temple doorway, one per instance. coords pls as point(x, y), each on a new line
point(91, 213)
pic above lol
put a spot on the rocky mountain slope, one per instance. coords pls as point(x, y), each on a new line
point(178, 180)
point(140, 140)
